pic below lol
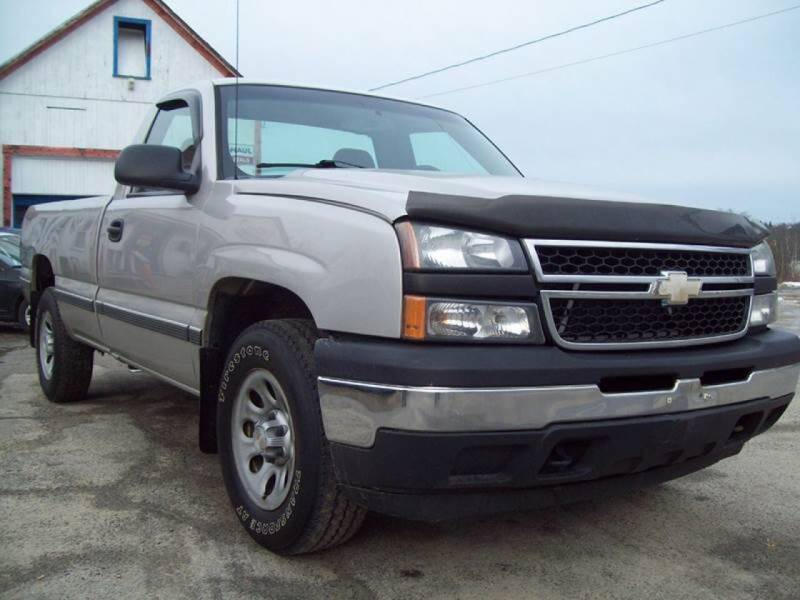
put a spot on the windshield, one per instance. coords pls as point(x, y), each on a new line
point(9, 249)
point(277, 129)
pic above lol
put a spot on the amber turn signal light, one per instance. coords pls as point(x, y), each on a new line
point(414, 317)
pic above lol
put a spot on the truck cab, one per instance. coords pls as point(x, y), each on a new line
point(378, 311)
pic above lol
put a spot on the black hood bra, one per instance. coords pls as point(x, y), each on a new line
point(549, 217)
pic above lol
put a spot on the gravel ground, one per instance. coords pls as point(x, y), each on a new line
point(111, 497)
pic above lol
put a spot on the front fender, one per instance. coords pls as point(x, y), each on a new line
point(344, 264)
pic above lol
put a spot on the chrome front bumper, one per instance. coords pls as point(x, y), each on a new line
point(353, 411)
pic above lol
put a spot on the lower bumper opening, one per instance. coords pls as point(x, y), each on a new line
point(550, 460)
point(565, 457)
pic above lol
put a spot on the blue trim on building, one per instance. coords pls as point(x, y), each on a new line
point(145, 24)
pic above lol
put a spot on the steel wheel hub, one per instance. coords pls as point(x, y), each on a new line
point(263, 440)
point(47, 343)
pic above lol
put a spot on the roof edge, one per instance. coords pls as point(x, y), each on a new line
point(43, 43)
point(183, 29)
point(326, 88)
point(158, 6)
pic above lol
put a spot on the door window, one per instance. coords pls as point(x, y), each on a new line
point(173, 127)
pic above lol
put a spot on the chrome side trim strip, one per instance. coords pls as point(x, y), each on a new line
point(195, 335)
point(156, 324)
point(553, 327)
point(75, 299)
point(168, 327)
point(530, 247)
point(353, 411)
point(160, 325)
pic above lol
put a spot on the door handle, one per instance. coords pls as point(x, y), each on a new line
point(115, 230)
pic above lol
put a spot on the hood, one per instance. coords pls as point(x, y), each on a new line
point(517, 206)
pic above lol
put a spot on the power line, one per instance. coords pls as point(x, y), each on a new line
point(517, 47)
point(612, 54)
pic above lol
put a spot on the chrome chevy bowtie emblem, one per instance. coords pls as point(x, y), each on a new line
point(677, 287)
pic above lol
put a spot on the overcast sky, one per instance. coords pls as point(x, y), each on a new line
point(711, 121)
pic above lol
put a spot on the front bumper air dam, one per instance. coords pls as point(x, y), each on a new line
point(435, 451)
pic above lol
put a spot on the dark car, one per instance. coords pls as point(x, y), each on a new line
point(13, 306)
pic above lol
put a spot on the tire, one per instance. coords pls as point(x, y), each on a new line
point(64, 365)
point(285, 494)
point(24, 314)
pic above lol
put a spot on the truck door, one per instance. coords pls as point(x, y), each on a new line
point(146, 257)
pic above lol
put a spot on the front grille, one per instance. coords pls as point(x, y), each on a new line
point(612, 261)
point(626, 321)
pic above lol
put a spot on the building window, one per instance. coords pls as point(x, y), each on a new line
point(131, 48)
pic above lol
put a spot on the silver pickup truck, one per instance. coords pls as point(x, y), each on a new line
point(377, 311)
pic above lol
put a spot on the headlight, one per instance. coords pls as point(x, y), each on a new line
point(460, 320)
point(763, 260)
point(764, 309)
point(435, 248)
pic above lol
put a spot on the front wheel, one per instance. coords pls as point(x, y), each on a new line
point(274, 456)
point(64, 365)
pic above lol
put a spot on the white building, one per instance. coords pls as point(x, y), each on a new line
point(71, 101)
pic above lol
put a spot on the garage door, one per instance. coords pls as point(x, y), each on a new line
point(38, 179)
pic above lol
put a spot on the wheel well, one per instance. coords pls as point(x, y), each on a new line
point(42, 277)
point(42, 273)
point(236, 303)
point(233, 305)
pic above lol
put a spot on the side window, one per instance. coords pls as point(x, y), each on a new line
point(173, 127)
point(9, 252)
point(438, 151)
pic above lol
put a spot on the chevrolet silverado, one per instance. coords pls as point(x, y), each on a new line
point(377, 311)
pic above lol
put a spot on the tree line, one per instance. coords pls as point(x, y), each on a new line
point(785, 241)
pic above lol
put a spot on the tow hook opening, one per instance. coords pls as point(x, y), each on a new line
point(564, 457)
point(745, 427)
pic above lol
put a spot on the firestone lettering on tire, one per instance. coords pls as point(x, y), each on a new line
point(249, 350)
point(273, 527)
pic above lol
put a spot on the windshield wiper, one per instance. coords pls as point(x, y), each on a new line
point(336, 164)
point(268, 165)
point(323, 164)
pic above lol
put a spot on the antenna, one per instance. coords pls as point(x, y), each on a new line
point(236, 103)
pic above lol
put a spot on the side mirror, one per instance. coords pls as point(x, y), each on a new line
point(147, 165)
